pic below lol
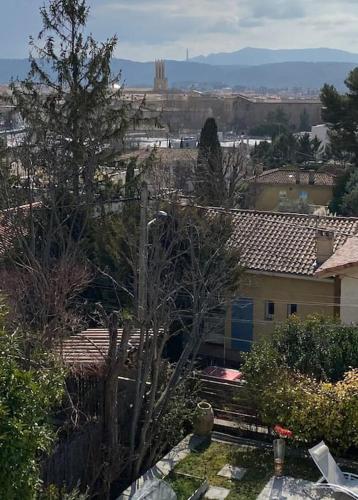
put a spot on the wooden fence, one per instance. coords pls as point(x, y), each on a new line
point(231, 406)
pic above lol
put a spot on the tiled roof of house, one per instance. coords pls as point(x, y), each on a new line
point(345, 257)
point(283, 243)
point(288, 176)
point(164, 155)
point(90, 347)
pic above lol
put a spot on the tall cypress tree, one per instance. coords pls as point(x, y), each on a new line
point(209, 173)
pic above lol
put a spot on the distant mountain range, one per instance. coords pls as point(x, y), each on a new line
point(250, 56)
point(182, 74)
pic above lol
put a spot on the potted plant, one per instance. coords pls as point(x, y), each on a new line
point(279, 448)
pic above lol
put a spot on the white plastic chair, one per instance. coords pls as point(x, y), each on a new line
point(332, 476)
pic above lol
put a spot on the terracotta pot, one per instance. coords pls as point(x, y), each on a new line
point(204, 419)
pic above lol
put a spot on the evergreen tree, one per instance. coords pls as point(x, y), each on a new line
point(70, 100)
point(304, 149)
point(209, 174)
point(316, 146)
point(305, 124)
point(341, 114)
point(348, 201)
point(284, 149)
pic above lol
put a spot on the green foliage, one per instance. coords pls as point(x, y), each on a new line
point(313, 410)
point(177, 421)
point(209, 174)
point(349, 200)
point(54, 493)
point(207, 460)
point(184, 486)
point(303, 378)
point(339, 191)
point(277, 122)
point(285, 149)
point(317, 346)
point(106, 246)
point(27, 396)
point(74, 126)
point(305, 124)
point(341, 113)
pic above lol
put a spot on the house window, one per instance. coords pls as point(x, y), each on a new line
point(283, 195)
point(303, 195)
point(269, 310)
point(291, 309)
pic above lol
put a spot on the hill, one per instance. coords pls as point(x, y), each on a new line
point(184, 74)
point(277, 75)
point(254, 56)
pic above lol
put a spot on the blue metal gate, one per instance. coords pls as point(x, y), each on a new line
point(242, 327)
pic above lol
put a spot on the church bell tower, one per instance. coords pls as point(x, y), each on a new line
point(160, 82)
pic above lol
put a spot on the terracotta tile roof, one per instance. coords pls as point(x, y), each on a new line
point(90, 347)
point(283, 243)
point(164, 155)
point(288, 176)
point(345, 257)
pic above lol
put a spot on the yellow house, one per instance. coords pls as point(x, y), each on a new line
point(291, 190)
point(281, 253)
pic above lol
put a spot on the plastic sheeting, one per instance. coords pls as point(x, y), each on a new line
point(155, 489)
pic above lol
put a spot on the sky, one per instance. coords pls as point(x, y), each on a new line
point(149, 29)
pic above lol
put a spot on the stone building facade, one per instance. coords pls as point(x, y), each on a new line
point(188, 111)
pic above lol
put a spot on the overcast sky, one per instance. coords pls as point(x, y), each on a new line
point(148, 29)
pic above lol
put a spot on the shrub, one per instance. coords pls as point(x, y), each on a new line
point(26, 398)
point(319, 347)
point(312, 410)
point(305, 378)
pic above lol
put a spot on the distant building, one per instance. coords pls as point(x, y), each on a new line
point(160, 81)
point(291, 190)
point(253, 112)
point(187, 111)
point(169, 169)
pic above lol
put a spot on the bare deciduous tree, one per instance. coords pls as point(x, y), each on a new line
point(190, 271)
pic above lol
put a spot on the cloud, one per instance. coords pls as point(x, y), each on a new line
point(165, 28)
point(277, 9)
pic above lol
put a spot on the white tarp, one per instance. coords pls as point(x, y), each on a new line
point(155, 490)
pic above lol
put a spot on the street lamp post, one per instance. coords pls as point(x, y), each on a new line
point(143, 252)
